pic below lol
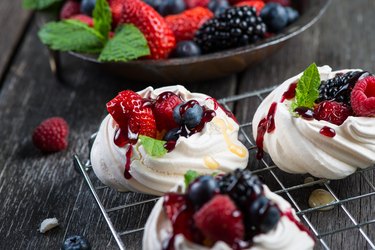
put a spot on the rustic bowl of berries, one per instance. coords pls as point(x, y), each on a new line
point(175, 40)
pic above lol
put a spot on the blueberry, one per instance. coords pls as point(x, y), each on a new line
point(186, 49)
point(275, 16)
point(293, 14)
point(172, 135)
point(218, 6)
point(176, 114)
point(76, 243)
point(167, 7)
point(270, 220)
point(256, 211)
point(192, 116)
point(87, 6)
point(202, 190)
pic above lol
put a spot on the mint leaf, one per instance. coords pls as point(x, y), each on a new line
point(102, 17)
point(152, 146)
point(190, 176)
point(307, 90)
point(128, 44)
point(71, 35)
point(38, 4)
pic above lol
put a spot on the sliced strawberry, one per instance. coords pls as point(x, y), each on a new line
point(159, 36)
point(363, 97)
point(185, 24)
point(143, 123)
point(257, 4)
point(219, 219)
point(196, 3)
point(84, 19)
point(69, 9)
point(331, 111)
point(163, 110)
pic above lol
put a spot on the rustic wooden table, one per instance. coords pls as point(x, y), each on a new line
point(34, 186)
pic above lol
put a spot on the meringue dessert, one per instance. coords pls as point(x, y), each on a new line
point(320, 122)
point(234, 211)
point(151, 138)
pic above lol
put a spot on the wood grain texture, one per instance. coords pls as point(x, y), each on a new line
point(34, 186)
point(13, 19)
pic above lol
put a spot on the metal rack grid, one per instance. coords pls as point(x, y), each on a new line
point(283, 189)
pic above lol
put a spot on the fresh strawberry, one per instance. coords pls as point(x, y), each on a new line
point(159, 36)
point(128, 110)
point(185, 24)
point(362, 97)
point(83, 18)
point(257, 4)
point(219, 219)
point(69, 9)
point(196, 3)
point(51, 135)
point(284, 3)
point(163, 110)
point(331, 111)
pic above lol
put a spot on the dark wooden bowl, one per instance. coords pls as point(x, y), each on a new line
point(219, 64)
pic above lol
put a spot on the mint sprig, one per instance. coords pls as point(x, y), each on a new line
point(153, 147)
point(72, 35)
point(307, 90)
point(128, 44)
point(38, 4)
point(190, 176)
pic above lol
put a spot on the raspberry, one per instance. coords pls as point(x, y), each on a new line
point(84, 19)
point(51, 135)
point(69, 9)
point(257, 4)
point(196, 3)
point(163, 110)
point(331, 111)
point(363, 97)
point(219, 219)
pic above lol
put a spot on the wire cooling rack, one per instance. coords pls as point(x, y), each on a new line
point(349, 220)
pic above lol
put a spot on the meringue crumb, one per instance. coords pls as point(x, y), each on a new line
point(48, 224)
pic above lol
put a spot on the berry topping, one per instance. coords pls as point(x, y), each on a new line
point(69, 9)
point(160, 38)
point(167, 7)
point(331, 111)
point(173, 204)
point(172, 135)
point(257, 4)
point(191, 114)
point(196, 3)
point(185, 24)
point(275, 16)
point(186, 49)
point(218, 6)
point(87, 6)
point(76, 242)
point(202, 190)
point(363, 97)
point(235, 27)
point(339, 87)
point(132, 116)
point(219, 219)
point(51, 135)
point(163, 110)
point(262, 216)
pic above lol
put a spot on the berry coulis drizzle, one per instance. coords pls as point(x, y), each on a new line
point(327, 131)
point(267, 124)
point(290, 93)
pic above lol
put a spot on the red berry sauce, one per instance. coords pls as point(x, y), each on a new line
point(327, 131)
point(305, 113)
point(290, 93)
point(300, 226)
point(265, 125)
point(128, 155)
point(226, 111)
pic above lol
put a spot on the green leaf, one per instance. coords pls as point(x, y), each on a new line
point(71, 35)
point(128, 44)
point(38, 4)
point(102, 17)
point(152, 146)
point(190, 176)
point(307, 90)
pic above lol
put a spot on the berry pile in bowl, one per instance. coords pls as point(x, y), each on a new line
point(152, 39)
point(232, 211)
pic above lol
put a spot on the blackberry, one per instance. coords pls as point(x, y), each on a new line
point(242, 187)
point(235, 27)
point(340, 87)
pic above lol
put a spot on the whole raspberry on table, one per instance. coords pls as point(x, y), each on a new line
point(333, 112)
point(69, 9)
point(51, 135)
point(159, 36)
point(363, 97)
